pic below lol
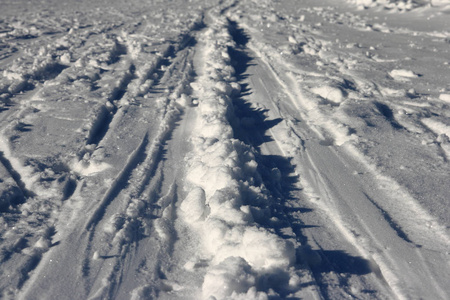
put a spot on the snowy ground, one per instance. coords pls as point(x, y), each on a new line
point(225, 149)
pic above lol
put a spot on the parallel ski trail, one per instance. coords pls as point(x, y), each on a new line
point(123, 216)
point(266, 93)
point(327, 174)
point(88, 113)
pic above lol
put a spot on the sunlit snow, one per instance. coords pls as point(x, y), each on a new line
point(236, 149)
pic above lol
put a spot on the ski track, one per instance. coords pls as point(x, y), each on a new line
point(124, 200)
point(332, 195)
point(328, 185)
point(118, 95)
point(208, 164)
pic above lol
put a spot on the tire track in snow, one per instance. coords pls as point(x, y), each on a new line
point(172, 82)
point(298, 98)
point(136, 81)
point(142, 170)
point(148, 187)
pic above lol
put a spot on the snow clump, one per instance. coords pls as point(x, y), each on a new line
point(402, 74)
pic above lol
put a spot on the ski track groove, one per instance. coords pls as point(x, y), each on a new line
point(15, 175)
point(323, 183)
point(134, 159)
point(324, 193)
point(147, 159)
point(139, 156)
point(149, 154)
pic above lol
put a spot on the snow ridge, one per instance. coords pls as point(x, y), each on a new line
point(225, 193)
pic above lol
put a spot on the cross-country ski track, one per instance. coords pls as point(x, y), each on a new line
point(227, 150)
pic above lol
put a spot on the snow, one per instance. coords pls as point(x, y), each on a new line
point(445, 97)
point(402, 74)
point(400, 6)
point(333, 94)
point(224, 150)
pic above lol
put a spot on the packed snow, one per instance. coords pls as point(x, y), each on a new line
point(233, 149)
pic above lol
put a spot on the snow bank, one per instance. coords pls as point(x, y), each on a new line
point(224, 186)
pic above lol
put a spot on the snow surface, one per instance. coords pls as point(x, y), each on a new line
point(224, 149)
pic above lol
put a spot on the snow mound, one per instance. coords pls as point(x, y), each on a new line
point(230, 277)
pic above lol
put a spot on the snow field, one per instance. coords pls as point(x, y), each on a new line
point(240, 150)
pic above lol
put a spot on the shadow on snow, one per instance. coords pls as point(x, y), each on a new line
point(251, 126)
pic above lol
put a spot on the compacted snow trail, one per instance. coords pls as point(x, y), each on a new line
point(351, 204)
point(358, 200)
point(347, 199)
point(230, 150)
